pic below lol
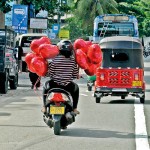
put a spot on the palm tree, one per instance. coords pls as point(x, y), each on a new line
point(87, 10)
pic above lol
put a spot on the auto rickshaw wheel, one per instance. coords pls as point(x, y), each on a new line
point(142, 100)
point(98, 99)
point(122, 97)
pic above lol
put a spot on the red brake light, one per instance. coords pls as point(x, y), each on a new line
point(136, 76)
point(57, 97)
point(102, 76)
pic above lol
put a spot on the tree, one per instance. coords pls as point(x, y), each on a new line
point(144, 7)
point(54, 7)
point(139, 8)
point(86, 10)
point(49, 5)
point(4, 6)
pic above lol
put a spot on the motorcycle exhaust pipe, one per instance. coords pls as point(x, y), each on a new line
point(48, 121)
point(70, 116)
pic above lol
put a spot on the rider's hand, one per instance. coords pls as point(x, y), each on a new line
point(79, 76)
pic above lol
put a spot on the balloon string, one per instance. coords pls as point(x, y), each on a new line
point(35, 89)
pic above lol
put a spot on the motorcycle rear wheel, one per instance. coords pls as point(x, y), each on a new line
point(57, 128)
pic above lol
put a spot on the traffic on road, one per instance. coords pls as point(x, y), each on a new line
point(114, 123)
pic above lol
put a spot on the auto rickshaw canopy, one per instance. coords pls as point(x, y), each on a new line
point(122, 51)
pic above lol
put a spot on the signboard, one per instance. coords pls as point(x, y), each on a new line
point(64, 34)
point(55, 28)
point(20, 18)
point(38, 23)
point(8, 16)
point(52, 35)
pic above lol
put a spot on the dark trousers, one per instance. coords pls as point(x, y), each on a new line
point(72, 88)
point(34, 78)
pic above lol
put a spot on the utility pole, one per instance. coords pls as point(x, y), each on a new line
point(2, 20)
point(59, 13)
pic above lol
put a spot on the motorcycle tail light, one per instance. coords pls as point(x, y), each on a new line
point(136, 76)
point(65, 97)
point(57, 97)
point(102, 76)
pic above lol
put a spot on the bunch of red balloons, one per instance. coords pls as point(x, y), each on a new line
point(88, 56)
point(42, 49)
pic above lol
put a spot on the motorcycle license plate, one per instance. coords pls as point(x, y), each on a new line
point(136, 83)
point(57, 110)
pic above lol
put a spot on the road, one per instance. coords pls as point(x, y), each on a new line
point(114, 124)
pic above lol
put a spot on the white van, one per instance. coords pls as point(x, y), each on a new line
point(23, 45)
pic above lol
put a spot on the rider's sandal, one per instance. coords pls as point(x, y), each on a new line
point(76, 111)
point(43, 110)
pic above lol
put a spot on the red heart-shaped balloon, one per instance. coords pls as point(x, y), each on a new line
point(48, 51)
point(81, 59)
point(80, 44)
point(29, 56)
point(40, 65)
point(91, 70)
point(37, 42)
point(94, 53)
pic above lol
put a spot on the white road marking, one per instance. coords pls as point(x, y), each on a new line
point(83, 94)
point(141, 137)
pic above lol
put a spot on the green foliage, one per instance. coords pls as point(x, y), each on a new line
point(4, 6)
point(49, 5)
point(81, 25)
point(139, 8)
point(86, 10)
point(75, 28)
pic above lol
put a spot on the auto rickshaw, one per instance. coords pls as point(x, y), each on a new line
point(122, 70)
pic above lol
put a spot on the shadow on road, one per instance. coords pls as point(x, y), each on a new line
point(146, 68)
point(129, 101)
point(23, 126)
point(95, 133)
point(5, 114)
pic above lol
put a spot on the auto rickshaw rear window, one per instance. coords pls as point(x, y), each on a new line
point(121, 57)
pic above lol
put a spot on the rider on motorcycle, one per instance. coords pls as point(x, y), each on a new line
point(62, 70)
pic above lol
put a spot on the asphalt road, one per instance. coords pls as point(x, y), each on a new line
point(114, 124)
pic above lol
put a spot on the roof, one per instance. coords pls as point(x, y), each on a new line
point(20, 37)
point(120, 42)
point(32, 34)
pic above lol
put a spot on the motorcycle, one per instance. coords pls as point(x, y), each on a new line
point(59, 109)
point(146, 51)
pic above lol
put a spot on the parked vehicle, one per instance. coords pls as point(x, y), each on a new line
point(122, 70)
point(59, 109)
point(8, 61)
point(23, 45)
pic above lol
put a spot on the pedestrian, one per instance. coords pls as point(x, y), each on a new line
point(62, 71)
point(35, 80)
